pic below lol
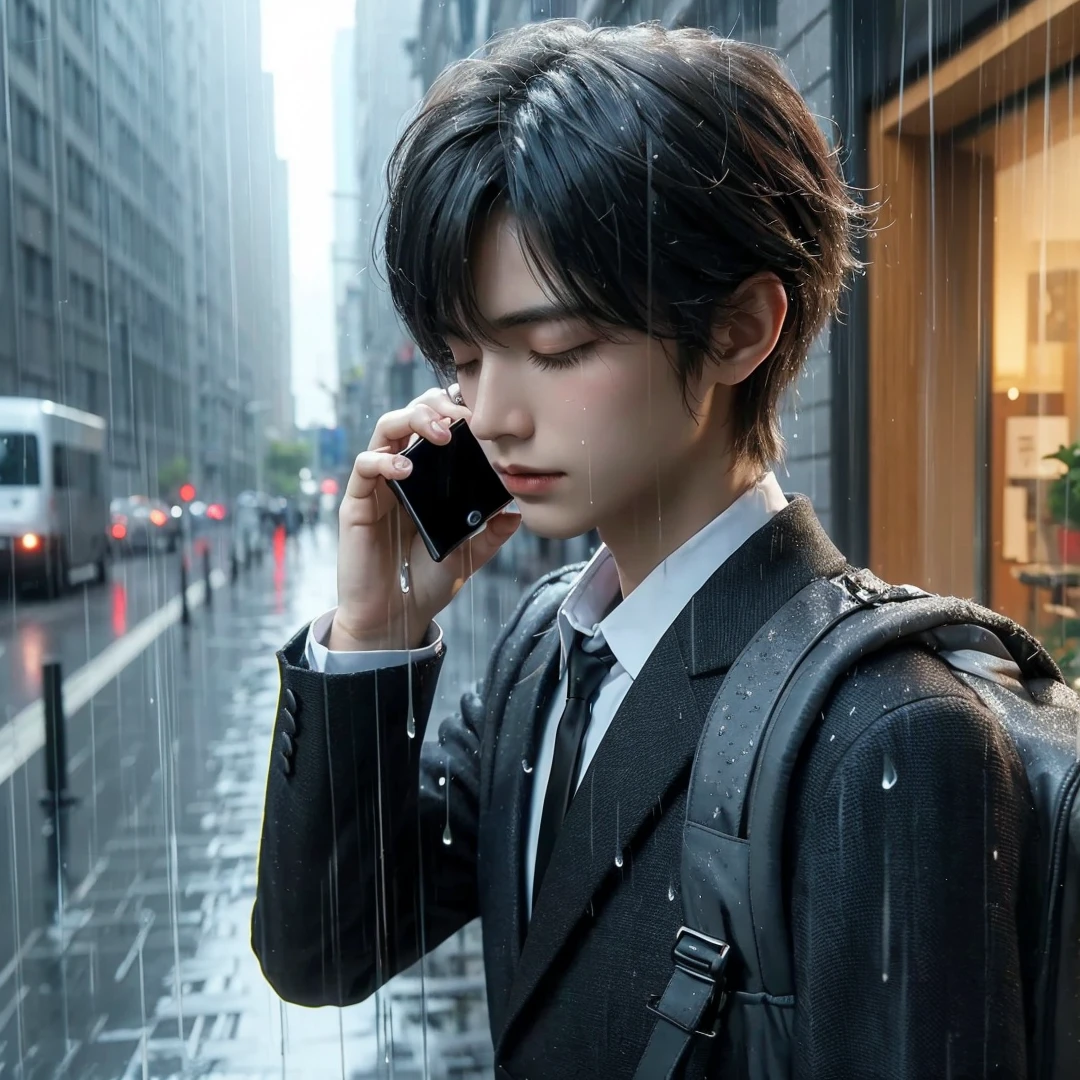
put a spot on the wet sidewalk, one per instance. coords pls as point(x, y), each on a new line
point(147, 971)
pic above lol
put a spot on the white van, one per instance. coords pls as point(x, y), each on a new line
point(54, 506)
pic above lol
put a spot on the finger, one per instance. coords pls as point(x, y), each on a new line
point(370, 468)
point(428, 420)
point(483, 546)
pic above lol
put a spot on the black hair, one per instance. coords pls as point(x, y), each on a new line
point(650, 172)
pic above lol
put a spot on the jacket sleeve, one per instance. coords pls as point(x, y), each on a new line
point(368, 852)
point(909, 829)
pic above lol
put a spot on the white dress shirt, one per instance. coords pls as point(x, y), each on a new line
point(632, 629)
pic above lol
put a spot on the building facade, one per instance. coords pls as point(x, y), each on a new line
point(118, 248)
point(374, 95)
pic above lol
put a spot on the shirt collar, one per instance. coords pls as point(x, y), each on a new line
point(634, 627)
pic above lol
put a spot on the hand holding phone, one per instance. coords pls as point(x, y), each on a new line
point(377, 533)
point(451, 492)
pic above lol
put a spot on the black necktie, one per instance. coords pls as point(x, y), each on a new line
point(586, 672)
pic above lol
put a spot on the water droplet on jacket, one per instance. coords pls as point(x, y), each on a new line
point(410, 727)
point(723, 728)
point(442, 781)
point(526, 766)
point(888, 778)
point(731, 761)
point(447, 839)
point(671, 892)
point(995, 855)
point(619, 859)
point(884, 976)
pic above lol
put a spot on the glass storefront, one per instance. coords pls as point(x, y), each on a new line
point(1035, 385)
point(974, 327)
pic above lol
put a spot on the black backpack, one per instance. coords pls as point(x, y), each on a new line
point(792, 665)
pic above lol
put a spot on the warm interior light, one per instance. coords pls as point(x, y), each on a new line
point(31, 542)
point(158, 517)
point(1014, 393)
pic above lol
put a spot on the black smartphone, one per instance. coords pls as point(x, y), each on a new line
point(452, 490)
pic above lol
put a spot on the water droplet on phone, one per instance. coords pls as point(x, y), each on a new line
point(404, 579)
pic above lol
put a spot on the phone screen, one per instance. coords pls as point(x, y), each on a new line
point(452, 490)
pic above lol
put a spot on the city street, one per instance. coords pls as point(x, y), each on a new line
point(135, 960)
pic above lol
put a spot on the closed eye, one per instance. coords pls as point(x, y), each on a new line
point(546, 361)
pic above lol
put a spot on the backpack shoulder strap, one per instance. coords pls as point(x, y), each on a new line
point(735, 934)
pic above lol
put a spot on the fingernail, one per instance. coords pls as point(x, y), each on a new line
point(402, 464)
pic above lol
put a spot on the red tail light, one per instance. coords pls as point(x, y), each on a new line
point(119, 532)
point(216, 511)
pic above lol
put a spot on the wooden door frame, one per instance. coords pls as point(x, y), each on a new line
point(930, 290)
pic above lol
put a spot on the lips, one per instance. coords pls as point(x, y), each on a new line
point(524, 470)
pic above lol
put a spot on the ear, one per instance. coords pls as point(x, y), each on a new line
point(749, 332)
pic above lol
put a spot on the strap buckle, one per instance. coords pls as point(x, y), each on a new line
point(704, 958)
point(861, 592)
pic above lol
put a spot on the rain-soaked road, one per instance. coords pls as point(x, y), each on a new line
point(147, 970)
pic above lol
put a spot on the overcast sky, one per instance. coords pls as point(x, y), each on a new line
point(298, 50)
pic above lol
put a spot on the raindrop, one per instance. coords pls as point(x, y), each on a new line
point(995, 855)
point(723, 728)
point(671, 892)
point(404, 578)
point(447, 839)
point(442, 781)
point(410, 727)
point(526, 766)
point(888, 779)
point(619, 859)
point(884, 976)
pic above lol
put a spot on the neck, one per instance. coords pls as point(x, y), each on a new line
point(671, 510)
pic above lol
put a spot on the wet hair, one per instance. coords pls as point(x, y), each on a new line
point(650, 172)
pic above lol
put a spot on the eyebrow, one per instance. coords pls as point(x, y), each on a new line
point(539, 313)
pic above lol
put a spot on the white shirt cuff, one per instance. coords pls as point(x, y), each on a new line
point(320, 658)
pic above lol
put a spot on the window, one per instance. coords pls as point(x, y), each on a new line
point(28, 33)
point(36, 274)
point(77, 470)
point(82, 183)
point(80, 14)
point(19, 460)
point(30, 134)
point(80, 97)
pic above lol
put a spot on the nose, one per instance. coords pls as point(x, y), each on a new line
point(499, 411)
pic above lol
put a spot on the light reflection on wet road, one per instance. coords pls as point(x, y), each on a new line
point(149, 971)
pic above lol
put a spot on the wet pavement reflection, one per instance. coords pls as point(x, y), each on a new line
point(134, 960)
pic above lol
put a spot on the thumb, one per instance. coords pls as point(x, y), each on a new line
point(498, 530)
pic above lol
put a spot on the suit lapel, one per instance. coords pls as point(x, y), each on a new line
point(645, 753)
point(650, 746)
point(503, 827)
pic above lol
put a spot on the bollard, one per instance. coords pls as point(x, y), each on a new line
point(56, 793)
point(206, 575)
point(185, 614)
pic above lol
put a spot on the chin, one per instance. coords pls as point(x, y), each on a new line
point(553, 522)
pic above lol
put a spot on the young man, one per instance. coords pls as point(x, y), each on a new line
point(620, 245)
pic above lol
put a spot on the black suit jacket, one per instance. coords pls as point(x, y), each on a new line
point(905, 900)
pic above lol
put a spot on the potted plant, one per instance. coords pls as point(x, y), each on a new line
point(1064, 502)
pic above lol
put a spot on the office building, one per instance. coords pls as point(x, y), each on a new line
point(131, 284)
